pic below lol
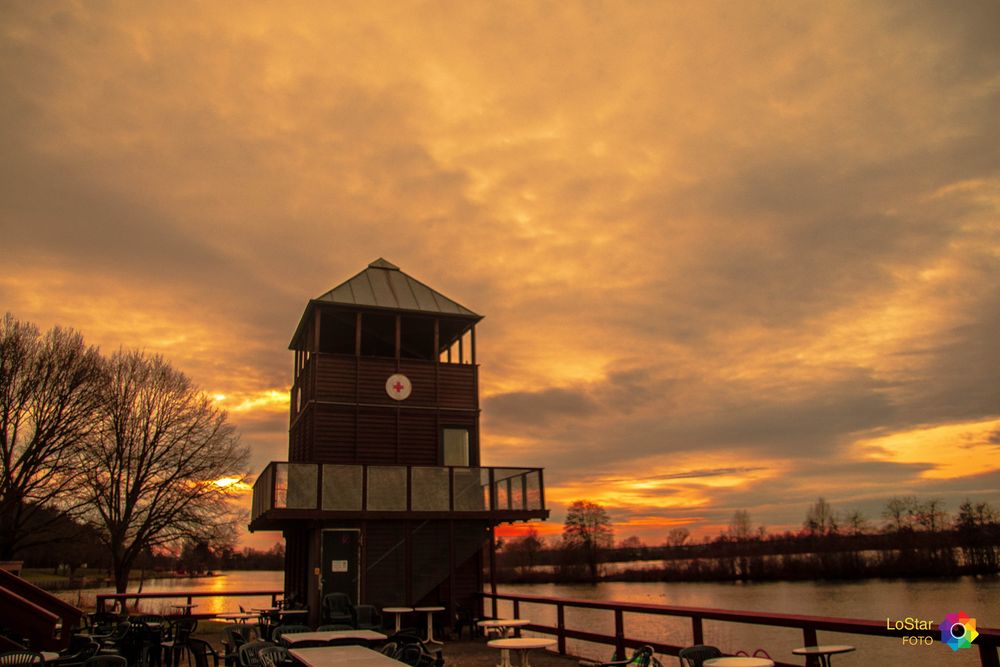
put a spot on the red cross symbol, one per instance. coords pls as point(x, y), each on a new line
point(398, 387)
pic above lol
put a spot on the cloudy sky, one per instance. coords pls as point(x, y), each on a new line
point(731, 254)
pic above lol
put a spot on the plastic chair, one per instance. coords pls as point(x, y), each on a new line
point(694, 656)
point(177, 640)
point(21, 659)
point(200, 650)
point(273, 656)
point(642, 657)
point(337, 609)
point(79, 655)
point(235, 636)
point(366, 617)
point(249, 653)
point(416, 655)
point(282, 630)
point(106, 660)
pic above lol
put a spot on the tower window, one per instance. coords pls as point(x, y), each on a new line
point(455, 442)
point(378, 335)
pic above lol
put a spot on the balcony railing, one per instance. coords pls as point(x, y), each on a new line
point(300, 490)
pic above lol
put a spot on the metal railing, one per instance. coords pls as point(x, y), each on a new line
point(988, 640)
point(397, 488)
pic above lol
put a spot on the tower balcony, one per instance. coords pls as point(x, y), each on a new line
point(290, 492)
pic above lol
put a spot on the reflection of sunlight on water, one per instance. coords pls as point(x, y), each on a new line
point(222, 583)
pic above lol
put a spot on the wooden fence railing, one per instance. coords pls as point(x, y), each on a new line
point(187, 596)
point(988, 640)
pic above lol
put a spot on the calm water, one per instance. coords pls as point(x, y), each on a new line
point(240, 580)
point(872, 599)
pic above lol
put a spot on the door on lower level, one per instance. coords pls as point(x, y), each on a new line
point(341, 555)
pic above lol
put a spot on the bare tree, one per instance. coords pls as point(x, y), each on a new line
point(740, 526)
point(821, 519)
point(899, 513)
point(160, 451)
point(677, 536)
point(857, 522)
point(588, 530)
point(47, 403)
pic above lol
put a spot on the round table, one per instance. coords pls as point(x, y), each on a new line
point(504, 625)
point(738, 661)
point(521, 645)
point(430, 622)
point(398, 611)
point(236, 616)
point(823, 652)
point(186, 607)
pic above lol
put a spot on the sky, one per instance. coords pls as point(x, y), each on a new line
point(732, 255)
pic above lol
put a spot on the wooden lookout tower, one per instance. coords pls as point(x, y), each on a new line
point(383, 496)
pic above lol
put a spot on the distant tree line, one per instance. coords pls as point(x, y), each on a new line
point(917, 538)
point(123, 447)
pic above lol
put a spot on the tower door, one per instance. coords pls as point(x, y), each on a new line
point(340, 558)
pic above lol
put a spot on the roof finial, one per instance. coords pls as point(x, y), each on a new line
point(381, 263)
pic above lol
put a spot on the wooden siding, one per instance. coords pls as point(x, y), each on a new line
point(348, 379)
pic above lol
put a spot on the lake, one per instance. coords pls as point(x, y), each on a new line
point(868, 599)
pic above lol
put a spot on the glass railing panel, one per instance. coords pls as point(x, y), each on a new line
point(302, 486)
point(280, 485)
point(533, 490)
point(342, 485)
point(386, 488)
point(429, 489)
point(517, 492)
point(469, 487)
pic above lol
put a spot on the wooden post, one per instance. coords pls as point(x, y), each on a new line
point(461, 349)
point(697, 632)
point(561, 628)
point(399, 327)
point(451, 575)
point(472, 343)
point(517, 614)
point(619, 634)
point(493, 562)
point(357, 334)
point(809, 639)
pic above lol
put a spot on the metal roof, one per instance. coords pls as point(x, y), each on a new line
point(383, 285)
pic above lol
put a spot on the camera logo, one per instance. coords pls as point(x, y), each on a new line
point(958, 631)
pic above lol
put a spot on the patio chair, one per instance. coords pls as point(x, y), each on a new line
point(694, 656)
point(248, 653)
point(200, 650)
point(21, 659)
point(274, 656)
point(366, 617)
point(106, 660)
point(642, 657)
point(282, 630)
point(78, 654)
point(177, 639)
point(337, 609)
point(234, 636)
point(416, 655)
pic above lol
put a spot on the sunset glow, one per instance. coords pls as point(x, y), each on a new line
point(730, 255)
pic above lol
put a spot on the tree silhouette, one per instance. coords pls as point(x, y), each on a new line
point(160, 449)
point(47, 404)
point(587, 530)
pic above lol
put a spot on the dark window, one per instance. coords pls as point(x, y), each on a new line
point(336, 332)
point(378, 335)
point(417, 338)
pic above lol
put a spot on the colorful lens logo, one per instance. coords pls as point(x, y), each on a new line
point(958, 631)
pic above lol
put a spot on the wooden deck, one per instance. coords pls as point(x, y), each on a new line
point(460, 653)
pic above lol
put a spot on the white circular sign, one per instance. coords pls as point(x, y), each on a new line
point(398, 386)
